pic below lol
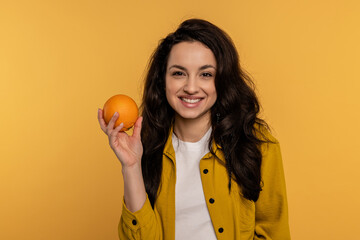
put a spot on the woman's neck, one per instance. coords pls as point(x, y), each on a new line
point(191, 130)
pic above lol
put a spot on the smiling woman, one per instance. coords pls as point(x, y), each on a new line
point(200, 164)
point(190, 87)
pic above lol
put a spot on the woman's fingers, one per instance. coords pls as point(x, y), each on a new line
point(113, 136)
point(114, 132)
point(101, 120)
point(111, 124)
point(137, 127)
point(107, 128)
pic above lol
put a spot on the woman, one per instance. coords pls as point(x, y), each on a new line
point(200, 163)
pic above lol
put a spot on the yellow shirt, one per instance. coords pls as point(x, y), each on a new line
point(232, 216)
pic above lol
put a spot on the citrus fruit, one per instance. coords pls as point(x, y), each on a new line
point(125, 106)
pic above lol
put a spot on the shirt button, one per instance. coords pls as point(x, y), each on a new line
point(220, 230)
point(211, 200)
point(134, 222)
point(205, 171)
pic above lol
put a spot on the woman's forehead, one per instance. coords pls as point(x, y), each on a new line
point(191, 54)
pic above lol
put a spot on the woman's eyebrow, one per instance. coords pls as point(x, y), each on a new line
point(207, 66)
point(184, 68)
point(178, 66)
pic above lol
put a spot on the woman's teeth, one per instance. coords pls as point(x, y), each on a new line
point(191, 100)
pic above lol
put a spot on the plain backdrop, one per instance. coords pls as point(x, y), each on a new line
point(61, 60)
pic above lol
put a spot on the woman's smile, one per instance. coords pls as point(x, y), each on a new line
point(190, 81)
point(191, 100)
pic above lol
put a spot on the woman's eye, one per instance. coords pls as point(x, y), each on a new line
point(207, 75)
point(177, 74)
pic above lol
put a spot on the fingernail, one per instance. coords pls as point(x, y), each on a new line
point(115, 113)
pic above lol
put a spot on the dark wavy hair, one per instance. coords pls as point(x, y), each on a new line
point(234, 116)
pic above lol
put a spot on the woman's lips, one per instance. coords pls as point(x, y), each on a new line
point(190, 102)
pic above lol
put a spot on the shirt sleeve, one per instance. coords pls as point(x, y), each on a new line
point(143, 224)
point(271, 209)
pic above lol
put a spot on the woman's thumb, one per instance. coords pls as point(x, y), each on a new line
point(137, 127)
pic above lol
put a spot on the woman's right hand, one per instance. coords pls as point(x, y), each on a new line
point(128, 149)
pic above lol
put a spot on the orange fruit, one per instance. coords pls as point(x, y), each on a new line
point(125, 106)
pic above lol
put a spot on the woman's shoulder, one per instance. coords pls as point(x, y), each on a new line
point(263, 133)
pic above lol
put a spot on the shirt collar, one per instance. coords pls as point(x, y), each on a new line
point(170, 152)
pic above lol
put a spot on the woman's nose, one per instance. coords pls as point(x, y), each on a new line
point(191, 85)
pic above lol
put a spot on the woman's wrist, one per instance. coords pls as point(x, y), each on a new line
point(134, 188)
point(134, 168)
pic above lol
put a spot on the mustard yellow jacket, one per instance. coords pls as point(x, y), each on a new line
point(232, 216)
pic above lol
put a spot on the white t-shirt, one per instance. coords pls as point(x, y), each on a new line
point(192, 219)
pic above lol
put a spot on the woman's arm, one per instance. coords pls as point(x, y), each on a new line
point(134, 188)
point(144, 224)
point(129, 150)
point(271, 217)
point(138, 220)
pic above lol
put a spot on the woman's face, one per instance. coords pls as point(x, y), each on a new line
point(190, 80)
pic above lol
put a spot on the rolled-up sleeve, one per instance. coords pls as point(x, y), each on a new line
point(143, 224)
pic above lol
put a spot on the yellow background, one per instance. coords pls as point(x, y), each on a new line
point(61, 60)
